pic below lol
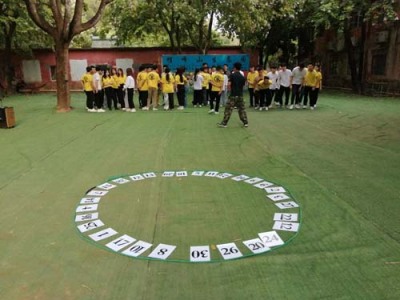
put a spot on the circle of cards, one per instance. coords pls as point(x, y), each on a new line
point(88, 222)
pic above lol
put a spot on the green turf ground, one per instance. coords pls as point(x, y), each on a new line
point(341, 162)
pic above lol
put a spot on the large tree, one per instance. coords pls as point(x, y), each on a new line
point(62, 20)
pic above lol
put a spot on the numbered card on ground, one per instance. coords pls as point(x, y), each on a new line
point(200, 253)
point(286, 217)
point(286, 205)
point(274, 190)
point(181, 174)
point(211, 174)
point(263, 185)
point(86, 217)
point(87, 208)
point(224, 175)
point(162, 251)
point(90, 226)
point(229, 251)
point(253, 180)
point(103, 234)
point(198, 173)
point(168, 174)
point(286, 226)
point(97, 193)
point(271, 239)
point(136, 177)
point(107, 186)
point(149, 175)
point(137, 249)
point(121, 242)
point(278, 197)
point(90, 200)
point(120, 180)
point(240, 177)
point(256, 246)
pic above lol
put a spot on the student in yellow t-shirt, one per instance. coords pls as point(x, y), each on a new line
point(142, 87)
point(108, 84)
point(89, 88)
point(180, 82)
point(168, 87)
point(251, 81)
point(263, 91)
point(310, 84)
point(206, 80)
point(318, 87)
point(153, 79)
point(217, 85)
point(120, 80)
point(261, 73)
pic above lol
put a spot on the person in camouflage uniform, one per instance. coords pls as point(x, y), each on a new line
point(237, 82)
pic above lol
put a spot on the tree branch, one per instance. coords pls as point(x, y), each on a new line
point(39, 20)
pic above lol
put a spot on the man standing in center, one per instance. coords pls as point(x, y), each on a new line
point(153, 79)
point(237, 82)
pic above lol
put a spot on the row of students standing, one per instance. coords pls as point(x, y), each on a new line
point(266, 88)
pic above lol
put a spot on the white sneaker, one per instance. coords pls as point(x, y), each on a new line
point(265, 108)
point(133, 110)
point(180, 108)
point(291, 106)
point(199, 105)
point(127, 109)
point(91, 110)
point(217, 112)
point(304, 106)
point(124, 109)
point(211, 111)
point(154, 108)
point(312, 107)
point(297, 106)
point(256, 108)
point(145, 108)
point(100, 110)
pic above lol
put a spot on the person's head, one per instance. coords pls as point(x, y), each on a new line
point(301, 66)
point(180, 71)
point(219, 69)
point(266, 78)
point(205, 65)
point(92, 69)
point(317, 67)
point(165, 67)
point(107, 73)
point(113, 71)
point(153, 67)
point(252, 68)
point(273, 69)
point(213, 69)
point(225, 67)
point(89, 69)
point(98, 69)
point(237, 66)
point(129, 72)
point(283, 66)
point(205, 69)
point(120, 72)
point(310, 67)
point(141, 68)
point(167, 70)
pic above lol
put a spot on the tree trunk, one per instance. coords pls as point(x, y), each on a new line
point(352, 61)
point(63, 93)
point(7, 57)
point(361, 63)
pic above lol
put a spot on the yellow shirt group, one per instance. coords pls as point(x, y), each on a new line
point(87, 81)
point(142, 81)
point(251, 79)
point(264, 84)
point(167, 86)
point(153, 79)
point(310, 79)
point(206, 79)
point(319, 80)
point(217, 81)
point(108, 82)
point(178, 80)
point(115, 82)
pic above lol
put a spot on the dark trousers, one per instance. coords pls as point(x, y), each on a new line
point(273, 95)
point(235, 101)
point(314, 97)
point(257, 98)
point(181, 94)
point(197, 97)
point(121, 96)
point(130, 98)
point(171, 100)
point(205, 95)
point(251, 94)
point(262, 96)
point(143, 95)
point(99, 98)
point(215, 96)
point(296, 94)
point(308, 92)
point(111, 98)
point(90, 99)
point(283, 90)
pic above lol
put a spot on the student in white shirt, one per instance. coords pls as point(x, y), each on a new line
point(224, 95)
point(296, 83)
point(98, 92)
point(274, 87)
point(284, 84)
point(130, 87)
point(197, 88)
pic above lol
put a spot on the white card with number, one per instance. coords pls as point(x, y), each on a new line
point(136, 177)
point(278, 197)
point(149, 175)
point(198, 173)
point(286, 226)
point(211, 174)
point(224, 175)
point(120, 180)
point(286, 217)
point(256, 246)
point(120, 242)
point(90, 226)
point(87, 208)
point(90, 200)
point(263, 185)
point(86, 217)
point(181, 174)
point(107, 186)
point(103, 234)
point(162, 251)
point(286, 205)
point(97, 193)
point(229, 251)
point(137, 249)
point(274, 190)
point(168, 174)
point(200, 253)
point(271, 239)
point(253, 180)
point(240, 177)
